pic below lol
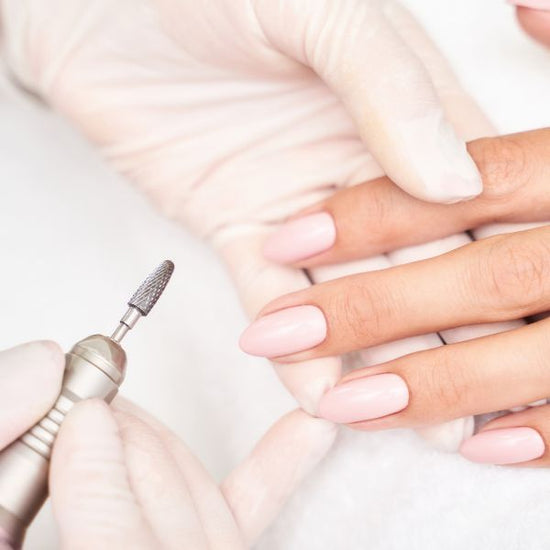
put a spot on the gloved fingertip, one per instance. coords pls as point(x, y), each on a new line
point(436, 165)
point(41, 354)
point(448, 437)
point(90, 419)
point(30, 380)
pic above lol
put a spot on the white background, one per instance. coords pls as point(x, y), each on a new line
point(75, 240)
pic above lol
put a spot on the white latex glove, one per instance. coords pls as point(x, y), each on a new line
point(122, 480)
point(30, 381)
point(232, 116)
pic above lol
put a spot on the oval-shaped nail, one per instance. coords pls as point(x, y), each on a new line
point(301, 238)
point(543, 5)
point(503, 446)
point(364, 399)
point(285, 332)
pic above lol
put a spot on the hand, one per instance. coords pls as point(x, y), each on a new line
point(122, 480)
point(232, 119)
point(503, 278)
point(233, 116)
point(30, 381)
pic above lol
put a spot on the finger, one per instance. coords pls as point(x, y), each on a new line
point(260, 486)
point(460, 429)
point(502, 228)
point(30, 381)
point(501, 278)
point(478, 376)
point(216, 518)
point(257, 489)
point(258, 281)
point(156, 481)
point(384, 86)
point(446, 436)
point(521, 438)
point(433, 249)
point(91, 495)
point(534, 17)
point(461, 110)
point(377, 216)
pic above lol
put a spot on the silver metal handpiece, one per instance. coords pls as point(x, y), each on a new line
point(95, 368)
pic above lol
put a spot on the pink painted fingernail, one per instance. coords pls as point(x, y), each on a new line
point(533, 4)
point(284, 332)
point(364, 399)
point(503, 446)
point(301, 238)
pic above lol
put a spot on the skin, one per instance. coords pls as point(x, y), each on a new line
point(497, 279)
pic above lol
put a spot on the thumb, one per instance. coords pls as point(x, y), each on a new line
point(30, 380)
point(93, 503)
point(259, 487)
point(354, 48)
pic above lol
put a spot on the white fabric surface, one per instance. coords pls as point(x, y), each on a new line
point(76, 240)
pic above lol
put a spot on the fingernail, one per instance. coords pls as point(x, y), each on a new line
point(364, 399)
point(301, 238)
point(504, 446)
point(534, 4)
point(284, 332)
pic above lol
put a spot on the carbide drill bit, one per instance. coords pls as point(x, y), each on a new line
point(144, 299)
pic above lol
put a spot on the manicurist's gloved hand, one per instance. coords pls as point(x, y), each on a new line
point(120, 479)
point(30, 381)
point(234, 116)
point(503, 278)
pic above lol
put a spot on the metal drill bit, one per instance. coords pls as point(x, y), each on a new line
point(144, 299)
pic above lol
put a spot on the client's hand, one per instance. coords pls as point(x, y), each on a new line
point(501, 278)
point(120, 479)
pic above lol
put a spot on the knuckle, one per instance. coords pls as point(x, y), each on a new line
point(503, 164)
point(351, 309)
point(514, 270)
point(382, 210)
point(365, 311)
point(445, 384)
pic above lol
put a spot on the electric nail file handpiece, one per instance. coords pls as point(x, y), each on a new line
point(94, 367)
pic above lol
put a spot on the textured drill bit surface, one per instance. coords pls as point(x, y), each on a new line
point(147, 295)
